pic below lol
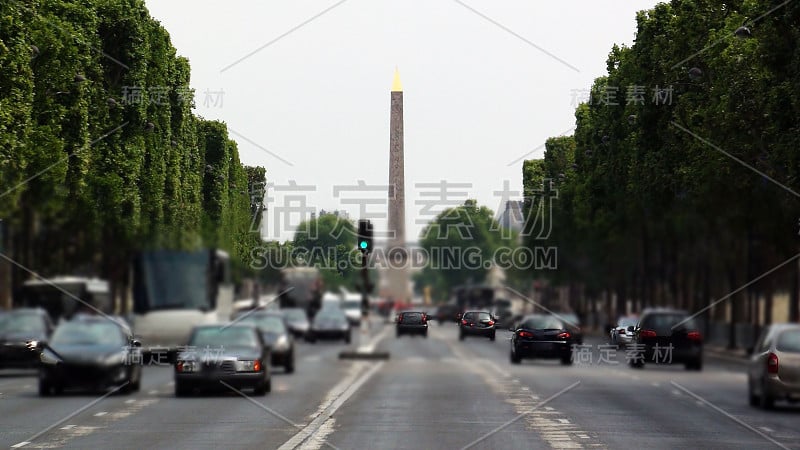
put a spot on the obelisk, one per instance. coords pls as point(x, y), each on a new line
point(397, 274)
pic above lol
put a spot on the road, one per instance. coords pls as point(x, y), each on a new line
point(432, 393)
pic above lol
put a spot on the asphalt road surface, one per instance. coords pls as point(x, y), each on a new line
point(434, 393)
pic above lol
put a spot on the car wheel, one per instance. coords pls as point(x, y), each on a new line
point(491, 338)
point(268, 385)
point(637, 364)
point(566, 360)
point(310, 339)
point(289, 366)
point(425, 334)
point(766, 401)
point(260, 389)
point(399, 334)
point(182, 390)
point(695, 365)
point(44, 388)
point(752, 398)
point(514, 358)
point(347, 338)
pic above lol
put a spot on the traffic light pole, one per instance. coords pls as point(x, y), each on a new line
point(365, 288)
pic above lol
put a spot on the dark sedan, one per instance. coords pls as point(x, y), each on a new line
point(17, 327)
point(297, 320)
point(542, 336)
point(477, 323)
point(412, 322)
point(667, 336)
point(89, 352)
point(223, 356)
point(276, 334)
point(329, 323)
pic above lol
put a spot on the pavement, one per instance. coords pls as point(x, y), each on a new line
point(433, 393)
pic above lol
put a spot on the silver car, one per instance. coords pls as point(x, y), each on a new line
point(774, 371)
point(622, 332)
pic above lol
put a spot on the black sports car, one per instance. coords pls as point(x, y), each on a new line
point(542, 336)
point(92, 352)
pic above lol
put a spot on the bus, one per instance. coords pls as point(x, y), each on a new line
point(173, 291)
point(64, 296)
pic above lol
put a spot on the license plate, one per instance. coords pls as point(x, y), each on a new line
point(547, 346)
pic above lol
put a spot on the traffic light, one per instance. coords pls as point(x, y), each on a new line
point(365, 236)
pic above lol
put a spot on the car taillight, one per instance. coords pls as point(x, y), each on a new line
point(490, 323)
point(694, 335)
point(257, 365)
point(564, 335)
point(772, 363)
point(463, 322)
point(647, 334)
point(399, 319)
point(525, 334)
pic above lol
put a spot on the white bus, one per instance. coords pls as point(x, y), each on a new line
point(173, 291)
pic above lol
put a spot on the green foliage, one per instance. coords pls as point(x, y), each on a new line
point(460, 243)
point(329, 242)
point(104, 176)
point(651, 208)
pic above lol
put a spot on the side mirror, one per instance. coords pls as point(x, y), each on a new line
point(136, 343)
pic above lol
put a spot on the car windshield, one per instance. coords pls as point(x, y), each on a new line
point(789, 341)
point(21, 323)
point(88, 333)
point(627, 322)
point(295, 315)
point(351, 304)
point(224, 337)
point(543, 323)
point(267, 323)
point(330, 315)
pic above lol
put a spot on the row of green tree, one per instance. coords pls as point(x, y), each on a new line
point(100, 154)
point(680, 184)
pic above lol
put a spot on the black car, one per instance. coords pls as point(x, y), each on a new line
point(93, 352)
point(667, 336)
point(542, 336)
point(223, 356)
point(412, 322)
point(297, 320)
point(476, 323)
point(329, 323)
point(448, 313)
point(275, 332)
point(17, 327)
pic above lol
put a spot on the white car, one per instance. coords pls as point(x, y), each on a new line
point(351, 306)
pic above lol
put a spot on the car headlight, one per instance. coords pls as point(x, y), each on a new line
point(112, 360)
point(186, 366)
point(248, 366)
point(282, 343)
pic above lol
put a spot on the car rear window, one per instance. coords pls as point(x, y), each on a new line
point(543, 323)
point(789, 341)
point(663, 323)
point(412, 317)
point(477, 316)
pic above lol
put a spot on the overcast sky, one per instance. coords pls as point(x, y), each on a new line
point(485, 83)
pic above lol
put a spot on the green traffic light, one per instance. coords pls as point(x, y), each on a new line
point(363, 244)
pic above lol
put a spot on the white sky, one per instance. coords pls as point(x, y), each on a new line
point(476, 96)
